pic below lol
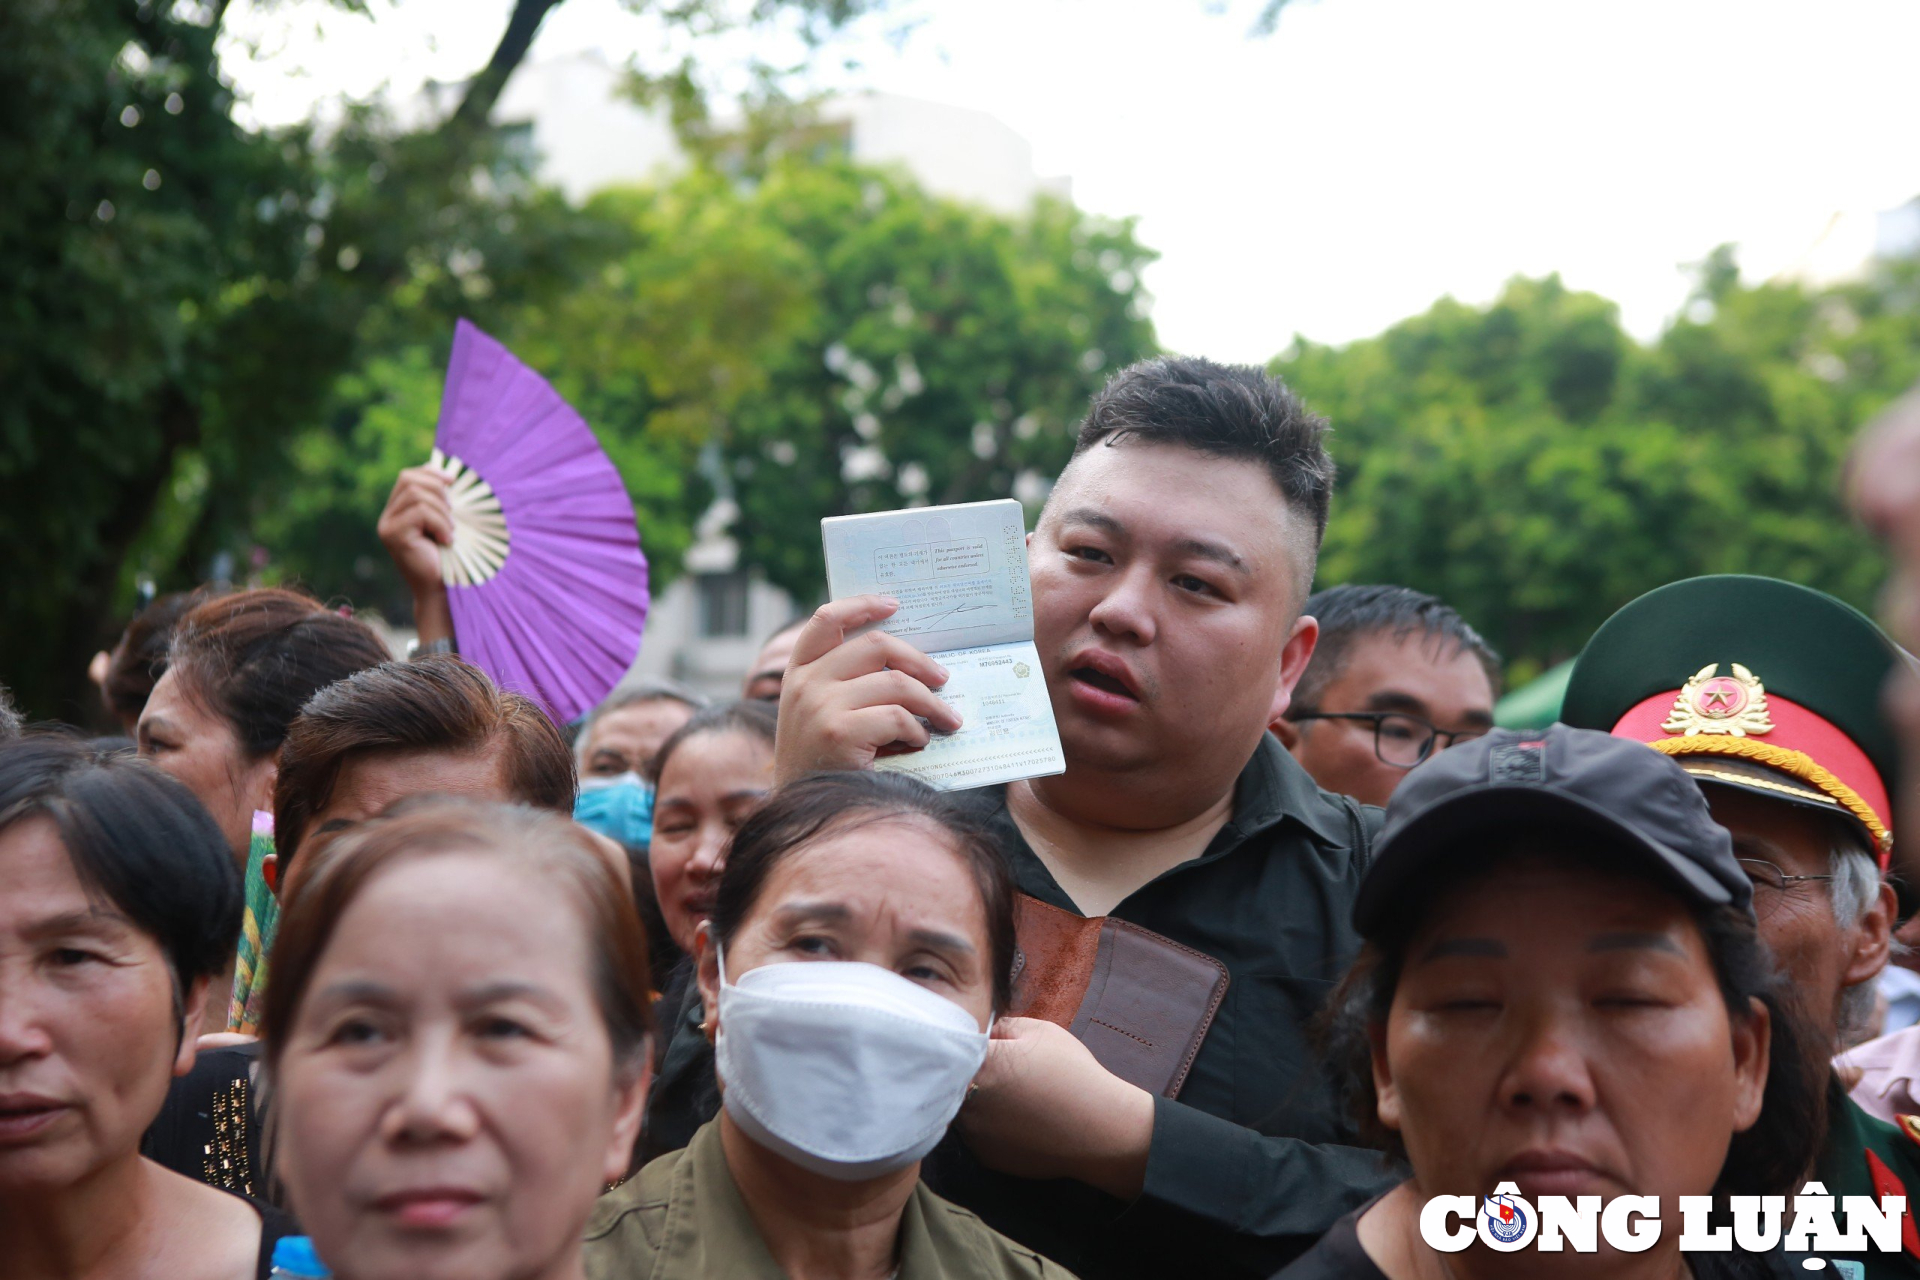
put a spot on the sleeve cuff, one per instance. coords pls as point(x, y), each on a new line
point(1198, 1162)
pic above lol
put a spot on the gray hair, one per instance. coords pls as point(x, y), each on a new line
point(11, 721)
point(632, 694)
point(1854, 889)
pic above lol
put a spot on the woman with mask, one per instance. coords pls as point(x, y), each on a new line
point(119, 906)
point(239, 669)
point(860, 942)
point(1562, 992)
point(616, 749)
point(711, 775)
point(456, 1036)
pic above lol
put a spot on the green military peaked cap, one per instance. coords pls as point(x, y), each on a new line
point(1752, 682)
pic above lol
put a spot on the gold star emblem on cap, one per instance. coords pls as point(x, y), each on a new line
point(1735, 705)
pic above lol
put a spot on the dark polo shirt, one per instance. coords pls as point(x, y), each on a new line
point(1247, 1167)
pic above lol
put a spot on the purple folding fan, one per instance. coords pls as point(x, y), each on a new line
point(544, 577)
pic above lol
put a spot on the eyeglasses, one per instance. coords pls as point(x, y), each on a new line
point(1399, 739)
point(1767, 876)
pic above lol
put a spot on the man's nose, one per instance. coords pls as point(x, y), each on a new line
point(1127, 609)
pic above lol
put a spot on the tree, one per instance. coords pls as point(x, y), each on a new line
point(818, 340)
point(949, 354)
point(184, 289)
point(1536, 468)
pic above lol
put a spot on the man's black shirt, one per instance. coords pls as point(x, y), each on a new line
point(1246, 1168)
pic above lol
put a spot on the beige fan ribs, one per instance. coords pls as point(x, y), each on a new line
point(480, 536)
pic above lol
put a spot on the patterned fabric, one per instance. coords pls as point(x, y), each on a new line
point(257, 928)
point(226, 1162)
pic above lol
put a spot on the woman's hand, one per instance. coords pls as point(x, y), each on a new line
point(417, 522)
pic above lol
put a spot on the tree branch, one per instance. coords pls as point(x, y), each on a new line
point(484, 89)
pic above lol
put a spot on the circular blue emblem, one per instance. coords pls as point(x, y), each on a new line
point(1505, 1218)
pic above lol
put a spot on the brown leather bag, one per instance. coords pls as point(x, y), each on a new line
point(1141, 1002)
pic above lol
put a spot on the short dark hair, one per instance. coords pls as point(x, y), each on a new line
point(430, 825)
point(139, 659)
point(138, 838)
point(750, 717)
point(1767, 1158)
point(1351, 612)
point(435, 703)
point(802, 811)
point(257, 656)
point(1223, 410)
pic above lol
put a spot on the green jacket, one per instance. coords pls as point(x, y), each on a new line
point(682, 1218)
point(1865, 1156)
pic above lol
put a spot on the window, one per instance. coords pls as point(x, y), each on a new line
point(723, 604)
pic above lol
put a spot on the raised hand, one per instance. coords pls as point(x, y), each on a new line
point(844, 702)
point(417, 522)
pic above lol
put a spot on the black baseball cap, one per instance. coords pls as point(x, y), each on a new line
point(1624, 792)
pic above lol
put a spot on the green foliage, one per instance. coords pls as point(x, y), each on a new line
point(1532, 465)
point(188, 300)
point(949, 353)
point(825, 339)
point(141, 235)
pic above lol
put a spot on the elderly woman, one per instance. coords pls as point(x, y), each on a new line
point(119, 909)
point(457, 1039)
point(712, 774)
point(1562, 988)
point(239, 669)
point(434, 725)
point(860, 942)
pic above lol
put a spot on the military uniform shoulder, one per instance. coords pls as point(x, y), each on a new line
point(1897, 1147)
point(959, 1233)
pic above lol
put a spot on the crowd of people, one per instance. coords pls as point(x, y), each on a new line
point(341, 963)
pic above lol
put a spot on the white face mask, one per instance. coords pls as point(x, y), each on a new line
point(844, 1068)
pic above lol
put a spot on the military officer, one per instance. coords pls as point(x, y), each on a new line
point(1769, 694)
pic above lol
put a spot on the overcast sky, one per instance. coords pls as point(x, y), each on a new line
point(1367, 158)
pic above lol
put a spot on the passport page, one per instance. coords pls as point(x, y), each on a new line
point(1006, 722)
point(960, 575)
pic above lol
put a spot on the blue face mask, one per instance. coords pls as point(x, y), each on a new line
point(620, 807)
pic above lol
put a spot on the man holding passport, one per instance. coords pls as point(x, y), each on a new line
point(1186, 887)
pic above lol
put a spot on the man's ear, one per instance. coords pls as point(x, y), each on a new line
point(1872, 939)
point(1293, 663)
point(706, 960)
point(193, 1008)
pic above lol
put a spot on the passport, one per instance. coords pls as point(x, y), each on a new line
point(960, 575)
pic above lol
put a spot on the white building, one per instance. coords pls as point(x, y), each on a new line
point(1852, 239)
point(705, 628)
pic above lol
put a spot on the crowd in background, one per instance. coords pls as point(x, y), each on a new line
point(362, 964)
